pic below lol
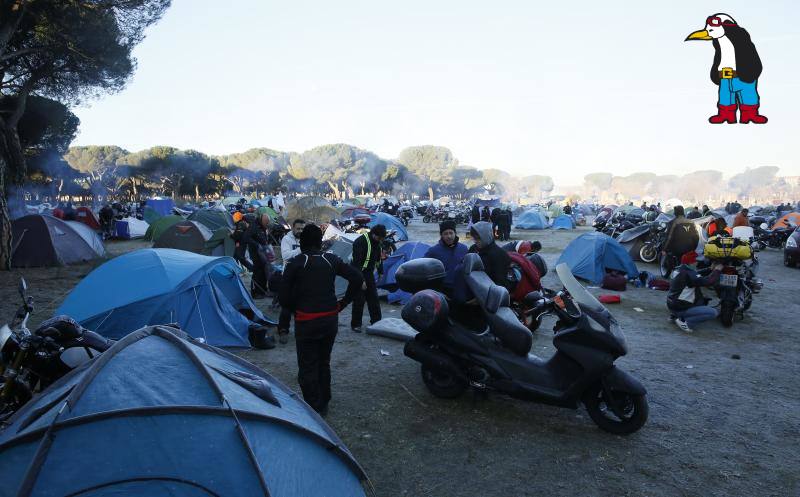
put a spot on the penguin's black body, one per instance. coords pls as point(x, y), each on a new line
point(748, 63)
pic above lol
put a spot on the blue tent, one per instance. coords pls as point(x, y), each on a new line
point(409, 251)
point(391, 223)
point(204, 295)
point(162, 414)
point(532, 219)
point(162, 206)
point(563, 222)
point(589, 255)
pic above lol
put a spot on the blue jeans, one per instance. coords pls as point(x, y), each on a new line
point(731, 90)
point(698, 314)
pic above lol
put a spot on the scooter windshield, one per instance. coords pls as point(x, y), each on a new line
point(576, 290)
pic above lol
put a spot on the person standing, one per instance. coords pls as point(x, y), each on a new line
point(261, 254)
point(496, 261)
point(450, 252)
point(308, 290)
point(741, 218)
point(241, 227)
point(290, 247)
point(367, 258)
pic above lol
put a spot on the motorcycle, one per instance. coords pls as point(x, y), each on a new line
point(587, 341)
point(31, 361)
point(773, 238)
point(405, 213)
point(738, 281)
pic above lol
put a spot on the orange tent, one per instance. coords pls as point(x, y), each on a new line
point(783, 221)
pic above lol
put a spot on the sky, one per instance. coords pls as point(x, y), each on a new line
point(556, 88)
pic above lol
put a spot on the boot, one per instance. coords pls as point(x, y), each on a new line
point(749, 113)
point(258, 337)
point(727, 114)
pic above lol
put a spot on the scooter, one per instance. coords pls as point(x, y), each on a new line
point(587, 340)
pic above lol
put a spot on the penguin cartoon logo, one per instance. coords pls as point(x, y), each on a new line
point(735, 70)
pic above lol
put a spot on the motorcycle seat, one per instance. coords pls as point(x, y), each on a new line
point(495, 303)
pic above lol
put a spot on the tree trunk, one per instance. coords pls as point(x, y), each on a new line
point(11, 161)
point(430, 193)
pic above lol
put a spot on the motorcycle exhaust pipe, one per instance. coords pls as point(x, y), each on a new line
point(431, 358)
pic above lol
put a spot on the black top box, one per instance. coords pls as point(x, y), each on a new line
point(420, 274)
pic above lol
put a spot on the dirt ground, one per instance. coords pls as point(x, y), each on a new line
point(724, 403)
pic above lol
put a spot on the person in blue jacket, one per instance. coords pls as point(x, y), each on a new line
point(449, 251)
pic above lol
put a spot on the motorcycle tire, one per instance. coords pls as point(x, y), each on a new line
point(426, 219)
point(443, 385)
point(635, 413)
point(648, 253)
point(726, 312)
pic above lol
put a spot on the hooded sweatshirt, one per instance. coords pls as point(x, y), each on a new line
point(496, 261)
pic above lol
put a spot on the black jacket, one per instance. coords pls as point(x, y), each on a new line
point(688, 278)
point(360, 253)
point(682, 237)
point(308, 282)
point(496, 262)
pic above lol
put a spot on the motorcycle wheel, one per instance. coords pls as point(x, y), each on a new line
point(726, 311)
point(648, 253)
point(442, 385)
point(426, 219)
point(634, 407)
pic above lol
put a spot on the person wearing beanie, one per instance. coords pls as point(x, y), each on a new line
point(685, 301)
point(367, 258)
point(449, 251)
point(308, 291)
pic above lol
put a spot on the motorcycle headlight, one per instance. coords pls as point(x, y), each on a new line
point(791, 242)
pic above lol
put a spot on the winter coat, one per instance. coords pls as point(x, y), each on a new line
point(450, 256)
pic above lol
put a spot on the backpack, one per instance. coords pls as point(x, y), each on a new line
point(615, 281)
point(528, 276)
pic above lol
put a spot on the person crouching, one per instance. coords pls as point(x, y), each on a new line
point(308, 290)
point(685, 301)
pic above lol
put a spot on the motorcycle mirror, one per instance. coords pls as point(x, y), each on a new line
point(764, 226)
point(23, 287)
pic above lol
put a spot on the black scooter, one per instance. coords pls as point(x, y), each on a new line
point(588, 340)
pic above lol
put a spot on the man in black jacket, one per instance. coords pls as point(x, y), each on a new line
point(685, 301)
point(308, 290)
point(261, 254)
point(496, 261)
point(367, 258)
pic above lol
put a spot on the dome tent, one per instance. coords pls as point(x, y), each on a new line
point(159, 225)
point(591, 254)
point(43, 241)
point(195, 237)
point(563, 222)
point(391, 223)
point(90, 236)
point(532, 219)
point(212, 218)
point(409, 251)
point(162, 414)
point(204, 295)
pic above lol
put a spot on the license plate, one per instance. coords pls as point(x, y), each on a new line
point(728, 280)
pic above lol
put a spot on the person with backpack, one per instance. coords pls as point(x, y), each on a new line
point(308, 290)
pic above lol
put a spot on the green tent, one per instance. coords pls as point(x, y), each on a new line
point(158, 226)
point(151, 215)
point(234, 199)
point(213, 219)
point(221, 243)
point(193, 236)
point(268, 211)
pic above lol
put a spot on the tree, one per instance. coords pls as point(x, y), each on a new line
point(597, 183)
point(66, 50)
point(431, 164)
